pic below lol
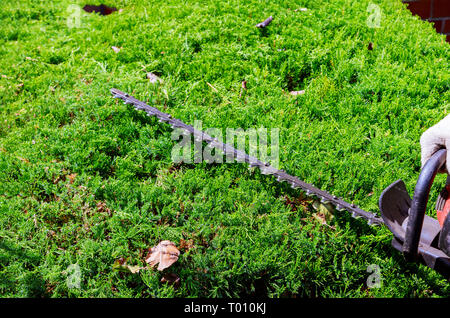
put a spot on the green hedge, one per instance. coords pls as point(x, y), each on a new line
point(87, 180)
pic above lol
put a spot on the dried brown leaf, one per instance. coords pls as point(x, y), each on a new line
point(23, 159)
point(102, 207)
point(120, 265)
point(186, 245)
point(324, 212)
point(71, 177)
point(164, 254)
point(102, 9)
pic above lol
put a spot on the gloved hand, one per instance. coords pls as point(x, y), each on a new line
point(435, 138)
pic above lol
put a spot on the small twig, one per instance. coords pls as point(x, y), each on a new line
point(213, 88)
point(295, 93)
point(265, 23)
point(35, 221)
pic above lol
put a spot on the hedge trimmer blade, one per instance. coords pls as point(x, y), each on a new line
point(281, 176)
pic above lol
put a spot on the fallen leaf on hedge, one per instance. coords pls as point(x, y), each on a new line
point(164, 254)
point(324, 212)
point(187, 245)
point(102, 9)
point(121, 266)
point(71, 177)
point(23, 159)
point(153, 78)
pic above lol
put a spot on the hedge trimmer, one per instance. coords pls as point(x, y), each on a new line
point(418, 236)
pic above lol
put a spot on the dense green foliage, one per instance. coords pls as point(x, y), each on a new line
point(87, 180)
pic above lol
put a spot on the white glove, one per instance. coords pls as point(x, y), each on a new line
point(435, 138)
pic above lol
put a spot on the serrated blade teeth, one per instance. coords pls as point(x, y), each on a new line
point(280, 179)
point(324, 200)
point(356, 215)
point(310, 190)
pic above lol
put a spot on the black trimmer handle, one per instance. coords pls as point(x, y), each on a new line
point(419, 204)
